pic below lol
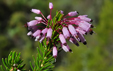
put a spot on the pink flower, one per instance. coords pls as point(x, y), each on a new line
point(59, 28)
point(32, 23)
point(83, 40)
point(42, 38)
point(37, 37)
point(36, 33)
point(48, 17)
point(29, 33)
point(84, 18)
point(36, 11)
point(84, 25)
point(50, 5)
point(66, 48)
point(72, 40)
point(72, 30)
point(78, 29)
point(61, 11)
point(72, 13)
point(44, 31)
point(54, 52)
point(62, 39)
point(49, 33)
point(65, 32)
point(38, 18)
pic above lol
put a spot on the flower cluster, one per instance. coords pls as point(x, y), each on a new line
point(59, 28)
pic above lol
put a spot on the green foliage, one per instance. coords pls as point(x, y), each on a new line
point(44, 60)
point(13, 62)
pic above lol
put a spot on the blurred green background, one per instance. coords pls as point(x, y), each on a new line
point(97, 57)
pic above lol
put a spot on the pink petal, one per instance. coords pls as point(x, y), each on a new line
point(84, 25)
point(36, 33)
point(72, 30)
point(54, 52)
point(65, 32)
point(38, 18)
point(81, 38)
point(72, 40)
point(32, 23)
point(29, 33)
point(50, 5)
point(44, 31)
point(36, 11)
point(62, 39)
point(48, 17)
point(66, 48)
point(49, 33)
point(79, 30)
point(72, 13)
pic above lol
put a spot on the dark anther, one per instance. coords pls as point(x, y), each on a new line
point(77, 44)
point(78, 12)
point(41, 34)
point(91, 32)
point(91, 20)
point(84, 42)
point(65, 44)
point(70, 50)
point(92, 26)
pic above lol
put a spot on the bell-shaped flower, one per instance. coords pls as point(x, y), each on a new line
point(72, 13)
point(44, 31)
point(78, 29)
point(49, 33)
point(55, 51)
point(29, 33)
point(36, 11)
point(66, 32)
point(32, 23)
point(72, 40)
point(36, 33)
point(38, 18)
point(72, 30)
point(83, 40)
point(84, 25)
point(62, 39)
point(50, 5)
point(66, 48)
point(37, 37)
point(85, 18)
point(42, 38)
point(48, 17)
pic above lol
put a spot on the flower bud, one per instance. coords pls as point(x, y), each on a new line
point(66, 48)
point(36, 33)
point(38, 18)
point(48, 17)
point(49, 33)
point(85, 18)
point(44, 31)
point(61, 11)
point(81, 38)
point(65, 32)
point(50, 5)
point(84, 25)
point(29, 33)
point(62, 39)
point(72, 13)
point(72, 40)
point(32, 23)
point(54, 52)
point(72, 30)
point(36, 11)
